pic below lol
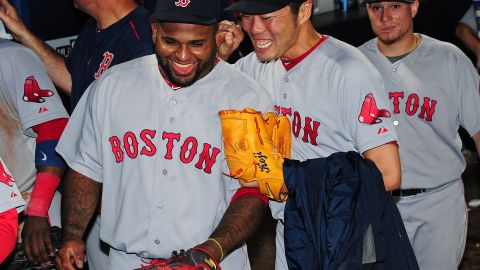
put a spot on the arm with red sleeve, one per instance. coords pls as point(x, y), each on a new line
point(50, 169)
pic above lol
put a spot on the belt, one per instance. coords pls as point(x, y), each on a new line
point(408, 192)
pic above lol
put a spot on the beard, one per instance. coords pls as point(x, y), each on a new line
point(202, 69)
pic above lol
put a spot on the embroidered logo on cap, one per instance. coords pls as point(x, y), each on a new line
point(182, 3)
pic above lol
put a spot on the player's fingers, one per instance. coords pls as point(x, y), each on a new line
point(79, 258)
point(251, 184)
point(27, 248)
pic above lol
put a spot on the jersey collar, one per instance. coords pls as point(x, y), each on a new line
point(290, 63)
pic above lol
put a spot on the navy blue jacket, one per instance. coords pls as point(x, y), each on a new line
point(94, 51)
point(339, 215)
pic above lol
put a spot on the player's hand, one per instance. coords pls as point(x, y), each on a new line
point(36, 238)
point(254, 184)
point(71, 254)
point(13, 21)
point(228, 38)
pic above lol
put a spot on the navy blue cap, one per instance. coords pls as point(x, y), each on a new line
point(378, 1)
point(204, 12)
point(259, 6)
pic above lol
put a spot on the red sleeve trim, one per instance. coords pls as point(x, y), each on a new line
point(51, 130)
point(393, 142)
point(8, 232)
point(249, 192)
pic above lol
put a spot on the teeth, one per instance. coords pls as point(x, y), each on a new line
point(182, 65)
point(263, 44)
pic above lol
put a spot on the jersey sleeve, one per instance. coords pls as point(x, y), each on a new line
point(80, 143)
point(467, 85)
point(470, 19)
point(364, 106)
point(10, 197)
point(30, 91)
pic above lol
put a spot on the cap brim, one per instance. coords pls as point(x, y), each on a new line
point(378, 1)
point(181, 18)
point(253, 7)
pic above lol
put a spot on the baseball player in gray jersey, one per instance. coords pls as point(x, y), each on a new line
point(332, 95)
point(33, 118)
point(433, 88)
point(11, 203)
point(158, 156)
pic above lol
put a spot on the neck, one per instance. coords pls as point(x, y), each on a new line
point(399, 47)
point(107, 13)
point(307, 37)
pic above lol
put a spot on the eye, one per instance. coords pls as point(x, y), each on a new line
point(396, 6)
point(197, 43)
point(375, 7)
point(170, 41)
point(266, 18)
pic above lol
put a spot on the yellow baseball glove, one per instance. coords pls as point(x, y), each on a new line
point(250, 151)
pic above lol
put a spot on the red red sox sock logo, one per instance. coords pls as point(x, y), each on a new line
point(370, 113)
point(107, 60)
point(5, 177)
point(32, 91)
point(182, 3)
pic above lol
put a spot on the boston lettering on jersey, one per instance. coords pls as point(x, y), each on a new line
point(310, 127)
point(412, 104)
point(132, 145)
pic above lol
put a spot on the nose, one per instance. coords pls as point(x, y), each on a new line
point(183, 53)
point(385, 14)
point(257, 25)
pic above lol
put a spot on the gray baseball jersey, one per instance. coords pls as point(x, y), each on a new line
point(10, 197)
point(433, 91)
point(27, 98)
point(470, 19)
point(158, 155)
point(332, 98)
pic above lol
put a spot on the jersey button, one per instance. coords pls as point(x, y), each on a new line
point(394, 69)
point(172, 119)
point(164, 172)
point(157, 242)
point(284, 95)
point(394, 82)
point(174, 102)
point(159, 206)
point(395, 123)
point(285, 79)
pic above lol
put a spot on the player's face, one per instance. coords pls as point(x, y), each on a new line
point(185, 52)
point(392, 22)
point(272, 34)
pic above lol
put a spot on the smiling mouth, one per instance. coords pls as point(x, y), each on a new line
point(182, 69)
point(263, 44)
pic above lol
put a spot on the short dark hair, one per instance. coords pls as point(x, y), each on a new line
point(295, 7)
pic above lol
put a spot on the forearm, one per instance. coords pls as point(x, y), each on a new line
point(465, 34)
point(239, 222)
point(53, 61)
point(80, 198)
point(387, 160)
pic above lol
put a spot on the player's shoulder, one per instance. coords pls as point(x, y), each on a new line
point(11, 47)
point(431, 45)
point(12, 52)
point(132, 66)
point(344, 57)
point(232, 75)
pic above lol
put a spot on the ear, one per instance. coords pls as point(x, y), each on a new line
point(154, 26)
point(414, 8)
point(305, 12)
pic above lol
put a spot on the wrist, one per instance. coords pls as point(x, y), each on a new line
point(212, 248)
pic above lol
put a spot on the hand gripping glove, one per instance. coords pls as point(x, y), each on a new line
point(280, 131)
point(192, 259)
point(250, 152)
